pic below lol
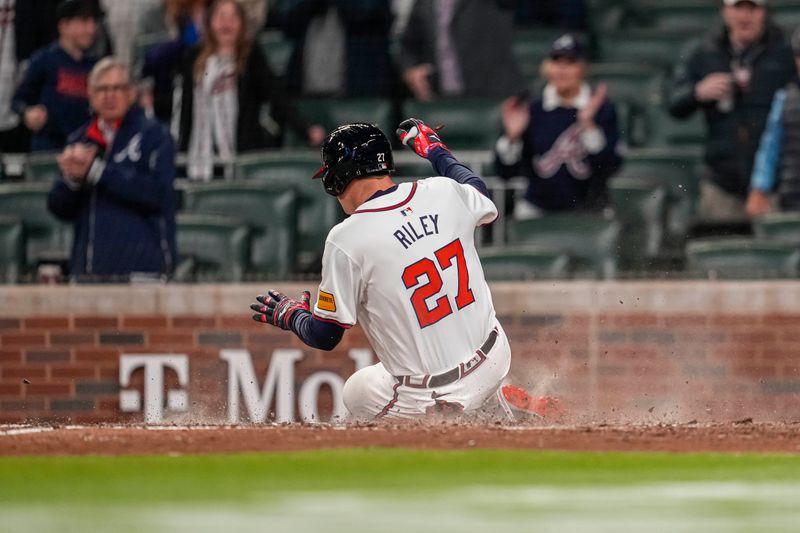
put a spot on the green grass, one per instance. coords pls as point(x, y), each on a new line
point(368, 490)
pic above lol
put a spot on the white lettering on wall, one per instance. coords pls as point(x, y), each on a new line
point(155, 366)
point(278, 388)
point(242, 382)
point(247, 398)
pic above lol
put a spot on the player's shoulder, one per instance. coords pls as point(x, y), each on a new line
point(347, 234)
point(438, 183)
point(339, 231)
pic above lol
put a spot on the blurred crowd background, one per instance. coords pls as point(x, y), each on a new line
point(148, 140)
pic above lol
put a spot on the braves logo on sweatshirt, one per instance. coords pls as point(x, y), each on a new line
point(568, 150)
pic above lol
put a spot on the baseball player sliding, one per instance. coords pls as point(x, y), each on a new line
point(404, 266)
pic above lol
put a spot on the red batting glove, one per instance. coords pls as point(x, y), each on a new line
point(419, 136)
point(277, 309)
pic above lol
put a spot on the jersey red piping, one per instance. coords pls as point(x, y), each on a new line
point(332, 321)
point(391, 207)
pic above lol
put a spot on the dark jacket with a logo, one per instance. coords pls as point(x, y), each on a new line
point(733, 137)
point(563, 175)
point(125, 223)
point(57, 81)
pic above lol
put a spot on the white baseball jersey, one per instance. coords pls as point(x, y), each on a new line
point(405, 267)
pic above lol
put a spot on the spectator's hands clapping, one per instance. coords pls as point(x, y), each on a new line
point(714, 87)
point(76, 160)
point(35, 117)
point(516, 117)
point(587, 114)
point(418, 80)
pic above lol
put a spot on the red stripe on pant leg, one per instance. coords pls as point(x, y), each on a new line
point(391, 403)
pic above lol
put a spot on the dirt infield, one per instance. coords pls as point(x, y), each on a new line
point(743, 436)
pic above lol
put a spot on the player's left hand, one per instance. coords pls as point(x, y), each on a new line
point(418, 136)
point(277, 309)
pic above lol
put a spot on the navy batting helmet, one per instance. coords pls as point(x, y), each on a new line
point(353, 151)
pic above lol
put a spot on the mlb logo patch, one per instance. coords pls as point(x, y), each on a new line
point(407, 211)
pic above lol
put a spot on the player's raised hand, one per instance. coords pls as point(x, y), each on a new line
point(277, 309)
point(418, 136)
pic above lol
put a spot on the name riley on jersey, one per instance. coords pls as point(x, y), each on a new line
point(414, 230)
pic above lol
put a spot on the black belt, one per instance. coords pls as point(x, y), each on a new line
point(454, 374)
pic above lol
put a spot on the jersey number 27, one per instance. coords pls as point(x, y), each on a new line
point(426, 267)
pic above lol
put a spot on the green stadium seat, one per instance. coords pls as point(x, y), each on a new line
point(683, 16)
point(642, 207)
point(607, 15)
point(471, 124)
point(627, 82)
point(290, 167)
point(787, 16)
point(317, 211)
point(781, 227)
point(277, 50)
point(530, 48)
point(268, 210)
point(634, 90)
point(678, 172)
point(666, 130)
point(45, 235)
point(524, 263)
point(331, 113)
point(417, 168)
point(12, 249)
point(42, 167)
point(742, 258)
point(643, 48)
point(591, 242)
point(217, 247)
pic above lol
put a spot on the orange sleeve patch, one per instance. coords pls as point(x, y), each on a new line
point(326, 301)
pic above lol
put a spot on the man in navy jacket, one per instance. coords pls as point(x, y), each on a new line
point(117, 185)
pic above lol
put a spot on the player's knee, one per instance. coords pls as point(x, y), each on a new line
point(352, 392)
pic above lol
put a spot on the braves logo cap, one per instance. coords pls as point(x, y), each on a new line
point(568, 45)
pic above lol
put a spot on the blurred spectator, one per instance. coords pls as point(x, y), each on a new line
point(166, 17)
point(401, 11)
point(564, 14)
point(460, 48)
point(13, 136)
point(35, 26)
point(732, 77)
point(180, 22)
point(176, 18)
point(225, 83)
point(123, 18)
point(117, 184)
point(52, 96)
point(341, 47)
point(566, 142)
point(777, 162)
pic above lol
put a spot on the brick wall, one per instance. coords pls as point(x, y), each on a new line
point(611, 351)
